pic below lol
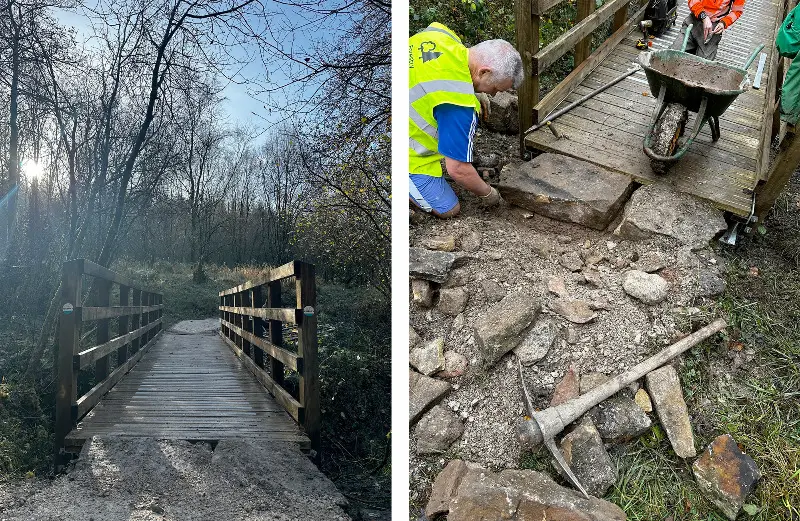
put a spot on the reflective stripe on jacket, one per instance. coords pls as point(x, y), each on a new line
point(438, 69)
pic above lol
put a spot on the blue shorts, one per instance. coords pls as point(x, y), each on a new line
point(433, 193)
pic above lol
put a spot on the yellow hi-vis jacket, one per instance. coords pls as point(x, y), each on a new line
point(438, 70)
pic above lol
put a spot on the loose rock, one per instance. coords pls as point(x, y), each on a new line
point(572, 261)
point(538, 342)
point(619, 419)
point(430, 265)
point(501, 329)
point(651, 261)
point(524, 494)
point(494, 292)
point(452, 301)
point(566, 389)
point(556, 285)
point(667, 396)
point(455, 364)
point(422, 293)
point(503, 114)
point(648, 288)
point(566, 189)
point(576, 311)
point(445, 486)
point(413, 337)
point(726, 475)
point(424, 393)
point(591, 380)
point(642, 399)
point(444, 243)
point(592, 277)
point(657, 209)
point(437, 430)
point(428, 358)
point(709, 284)
point(586, 455)
point(471, 241)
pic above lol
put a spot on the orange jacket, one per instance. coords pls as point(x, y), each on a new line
point(725, 11)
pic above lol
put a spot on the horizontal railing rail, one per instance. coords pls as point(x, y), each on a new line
point(251, 324)
point(139, 323)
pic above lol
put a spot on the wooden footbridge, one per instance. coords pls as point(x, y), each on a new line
point(221, 380)
point(734, 173)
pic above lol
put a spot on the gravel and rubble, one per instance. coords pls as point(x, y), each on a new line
point(512, 252)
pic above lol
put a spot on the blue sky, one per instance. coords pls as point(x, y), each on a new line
point(240, 106)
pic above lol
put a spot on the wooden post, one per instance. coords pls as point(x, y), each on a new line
point(275, 331)
point(307, 348)
point(620, 17)
point(527, 45)
point(123, 324)
point(259, 325)
point(247, 322)
point(136, 320)
point(784, 164)
point(584, 47)
point(68, 344)
point(102, 299)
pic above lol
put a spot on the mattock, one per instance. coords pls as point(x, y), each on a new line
point(544, 426)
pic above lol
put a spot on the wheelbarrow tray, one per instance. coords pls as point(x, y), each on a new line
point(688, 78)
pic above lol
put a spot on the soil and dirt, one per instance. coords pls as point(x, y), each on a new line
point(522, 251)
point(141, 479)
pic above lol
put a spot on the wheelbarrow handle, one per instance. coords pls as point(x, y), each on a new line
point(752, 57)
point(686, 38)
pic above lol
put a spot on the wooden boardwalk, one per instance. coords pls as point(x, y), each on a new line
point(189, 386)
point(608, 130)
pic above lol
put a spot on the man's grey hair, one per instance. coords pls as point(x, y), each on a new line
point(502, 58)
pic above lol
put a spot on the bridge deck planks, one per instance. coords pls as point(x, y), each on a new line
point(189, 386)
point(608, 130)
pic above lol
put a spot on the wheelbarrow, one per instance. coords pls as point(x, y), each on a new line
point(685, 83)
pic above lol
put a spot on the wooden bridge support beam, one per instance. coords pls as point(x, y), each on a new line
point(68, 342)
point(527, 25)
point(307, 348)
point(781, 169)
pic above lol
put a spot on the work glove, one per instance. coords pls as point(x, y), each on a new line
point(486, 104)
point(491, 199)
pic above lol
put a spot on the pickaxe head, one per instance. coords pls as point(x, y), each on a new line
point(542, 428)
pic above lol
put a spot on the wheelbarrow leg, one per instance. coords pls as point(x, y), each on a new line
point(713, 123)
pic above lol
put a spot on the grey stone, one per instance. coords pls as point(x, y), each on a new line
point(538, 342)
point(571, 335)
point(424, 393)
point(592, 277)
point(504, 325)
point(572, 261)
point(591, 380)
point(556, 285)
point(471, 241)
point(566, 189)
point(667, 397)
point(586, 455)
point(646, 287)
point(437, 430)
point(413, 337)
point(524, 494)
point(457, 278)
point(494, 292)
point(650, 261)
point(658, 209)
point(486, 160)
point(452, 301)
point(726, 475)
point(455, 364)
point(619, 419)
point(430, 265)
point(428, 358)
point(541, 248)
point(503, 114)
point(442, 243)
point(458, 323)
point(709, 284)
point(422, 293)
point(576, 311)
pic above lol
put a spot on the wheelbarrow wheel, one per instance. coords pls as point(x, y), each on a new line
point(666, 134)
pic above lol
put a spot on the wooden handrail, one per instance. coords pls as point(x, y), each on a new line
point(139, 324)
point(249, 309)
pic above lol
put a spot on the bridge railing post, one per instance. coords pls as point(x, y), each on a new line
point(69, 328)
point(307, 348)
point(102, 298)
point(276, 369)
point(123, 324)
